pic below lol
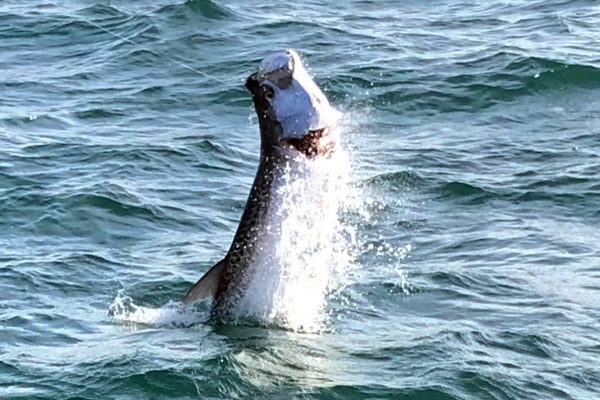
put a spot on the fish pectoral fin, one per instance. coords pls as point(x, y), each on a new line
point(207, 285)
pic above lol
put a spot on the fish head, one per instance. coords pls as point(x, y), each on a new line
point(292, 110)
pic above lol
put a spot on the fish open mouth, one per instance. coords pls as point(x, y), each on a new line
point(318, 142)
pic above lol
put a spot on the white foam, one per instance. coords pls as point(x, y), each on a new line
point(172, 314)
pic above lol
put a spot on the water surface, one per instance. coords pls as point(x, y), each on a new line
point(473, 128)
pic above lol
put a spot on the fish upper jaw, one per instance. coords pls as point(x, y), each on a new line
point(285, 92)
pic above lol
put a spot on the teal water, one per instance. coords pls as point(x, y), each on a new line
point(474, 136)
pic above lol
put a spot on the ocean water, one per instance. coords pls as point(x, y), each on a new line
point(128, 145)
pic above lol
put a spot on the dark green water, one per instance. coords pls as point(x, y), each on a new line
point(475, 140)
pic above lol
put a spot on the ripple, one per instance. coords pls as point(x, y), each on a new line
point(376, 391)
point(96, 113)
point(474, 123)
point(476, 84)
point(104, 10)
point(116, 201)
point(461, 189)
point(205, 8)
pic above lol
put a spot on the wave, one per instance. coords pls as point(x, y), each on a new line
point(551, 75)
point(472, 285)
point(408, 178)
point(476, 84)
point(554, 191)
point(424, 392)
point(528, 186)
point(205, 8)
point(104, 10)
point(462, 189)
point(118, 206)
point(98, 113)
point(38, 121)
point(73, 211)
point(472, 375)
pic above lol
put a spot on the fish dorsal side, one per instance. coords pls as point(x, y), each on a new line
point(207, 285)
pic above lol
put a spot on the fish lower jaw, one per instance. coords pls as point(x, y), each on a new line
point(320, 142)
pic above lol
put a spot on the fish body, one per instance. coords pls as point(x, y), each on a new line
point(289, 195)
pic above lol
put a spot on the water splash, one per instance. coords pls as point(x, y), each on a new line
point(310, 255)
point(303, 262)
point(308, 251)
point(173, 314)
point(373, 207)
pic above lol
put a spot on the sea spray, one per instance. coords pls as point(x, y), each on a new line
point(172, 314)
point(312, 255)
point(309, 251)
point(305, 260)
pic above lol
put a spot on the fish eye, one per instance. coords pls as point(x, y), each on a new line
point(268, 92)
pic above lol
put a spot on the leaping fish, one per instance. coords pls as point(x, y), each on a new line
point(296, 129)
